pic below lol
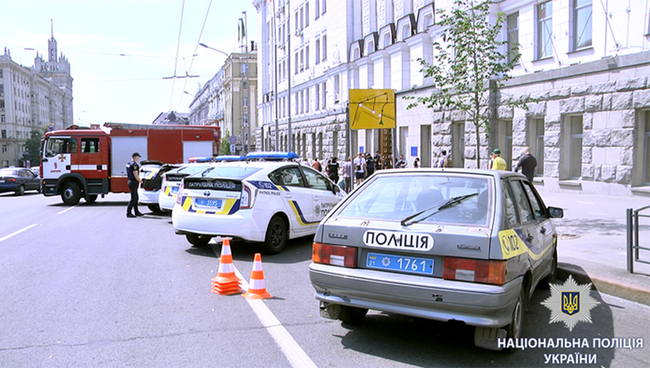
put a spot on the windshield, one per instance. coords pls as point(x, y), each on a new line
point(229, 172)
point(55, 146)
point(7, 172)
point(397, 197)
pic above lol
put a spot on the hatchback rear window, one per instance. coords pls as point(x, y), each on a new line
point(397, 197)
point(230, 172)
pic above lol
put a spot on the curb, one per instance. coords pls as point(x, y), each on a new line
point(607, 286)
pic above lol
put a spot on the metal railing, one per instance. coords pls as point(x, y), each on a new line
point(633, 245)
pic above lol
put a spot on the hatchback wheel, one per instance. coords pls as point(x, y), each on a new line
point(513, 330)
point(352, 315)
point(198, 240)
point(276, 236)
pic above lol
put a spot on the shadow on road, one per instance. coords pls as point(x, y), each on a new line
point(424, 342)
point(297, 250)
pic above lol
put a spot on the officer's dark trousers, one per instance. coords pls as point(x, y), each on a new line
point(133, 203)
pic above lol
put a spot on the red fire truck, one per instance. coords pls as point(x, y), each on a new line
point(81, 162)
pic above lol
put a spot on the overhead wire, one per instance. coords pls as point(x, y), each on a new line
point(178, 45)
point(196, 47)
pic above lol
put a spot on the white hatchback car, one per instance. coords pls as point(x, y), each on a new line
point(259, 201)
point(171, 183)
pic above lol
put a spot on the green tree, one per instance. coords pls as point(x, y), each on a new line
point(468, 66)
point(33, 146)
point(224, 144)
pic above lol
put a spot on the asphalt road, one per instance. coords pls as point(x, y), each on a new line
point(85, 286)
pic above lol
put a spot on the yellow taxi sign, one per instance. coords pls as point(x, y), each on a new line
point(372, 109)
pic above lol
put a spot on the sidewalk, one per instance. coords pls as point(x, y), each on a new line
point(592, 241)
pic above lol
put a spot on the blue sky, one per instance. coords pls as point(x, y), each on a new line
point(120, 50)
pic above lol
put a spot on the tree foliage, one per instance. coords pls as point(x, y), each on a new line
point(33, 147)
point(468, 65)
point(224, 144)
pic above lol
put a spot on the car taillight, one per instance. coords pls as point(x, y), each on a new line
point(334, 255)
point(11, 180)
point(475, 270)
point(178, 195)
point(246, 198)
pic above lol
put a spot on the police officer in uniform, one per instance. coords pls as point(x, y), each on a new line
point(133, 174)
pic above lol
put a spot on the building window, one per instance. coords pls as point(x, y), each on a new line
point(302, 60)
point(307, 57)
point(646, 156)
point(537, 145)
point(324, 7)
point(581, 24)
point(296, 67)
point(458, 150)
point(575, 148)
point(317, 10)
point(4, 133)
point(4, 148)
point(324, 94)
point(513, 35)
point(307, 100)
point(3, 119)
point(545, 30)
point(2, 88)
point(324, 47)
point(317, 99)
point(297, 21)
point(307, 14)
point(317, 51)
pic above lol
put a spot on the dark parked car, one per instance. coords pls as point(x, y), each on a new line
point(18, 179)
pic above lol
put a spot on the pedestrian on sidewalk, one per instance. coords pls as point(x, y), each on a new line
point(527, 163)
point(333, 170)
point(347, 175)
point(134, 180)
point(498, 163)
point(359, 169)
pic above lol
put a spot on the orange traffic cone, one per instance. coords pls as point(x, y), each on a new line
point(226, 282)
point(256, 288)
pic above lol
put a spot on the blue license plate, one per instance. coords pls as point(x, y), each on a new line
point(207, 202)
point(174, 190)
point(421, 266)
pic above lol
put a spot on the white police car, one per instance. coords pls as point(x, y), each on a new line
point(151, 173)
point(171, 180)
point(267, 201)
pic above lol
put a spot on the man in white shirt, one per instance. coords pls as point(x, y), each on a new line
point(359, 168)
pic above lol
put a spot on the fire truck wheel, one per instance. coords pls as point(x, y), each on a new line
point(70, 194)
point(198, 240)
point(91, 198)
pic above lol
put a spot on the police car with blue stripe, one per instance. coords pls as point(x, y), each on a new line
point(267, 198)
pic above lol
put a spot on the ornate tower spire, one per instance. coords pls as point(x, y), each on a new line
point(51, 45)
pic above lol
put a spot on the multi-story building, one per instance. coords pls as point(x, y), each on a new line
point(585, 64)
point(229, 100)
point(32, 99)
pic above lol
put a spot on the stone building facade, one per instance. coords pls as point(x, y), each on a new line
point(32, 99)
point(585, 67)
point(229, 100)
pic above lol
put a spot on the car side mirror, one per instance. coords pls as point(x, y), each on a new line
point(555, 212)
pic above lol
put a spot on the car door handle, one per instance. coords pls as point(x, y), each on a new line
point(530, 238)
point(288, 196)
point(542, 230)
point(316, 198)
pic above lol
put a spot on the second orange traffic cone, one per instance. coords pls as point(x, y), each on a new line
point(257, 287)
point(226, 282)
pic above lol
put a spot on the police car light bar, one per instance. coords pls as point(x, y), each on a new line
point(200, 159)
point(272, 156)
point(229, 158)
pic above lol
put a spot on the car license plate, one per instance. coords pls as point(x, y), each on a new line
point(417, 265)
point(207, 202)
point(174, 190)
point(2, 181)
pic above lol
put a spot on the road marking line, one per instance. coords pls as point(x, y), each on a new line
point(294, 353)
point(16, 232)
point(66, 210)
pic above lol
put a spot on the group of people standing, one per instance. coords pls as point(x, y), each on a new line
point(527, 163)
